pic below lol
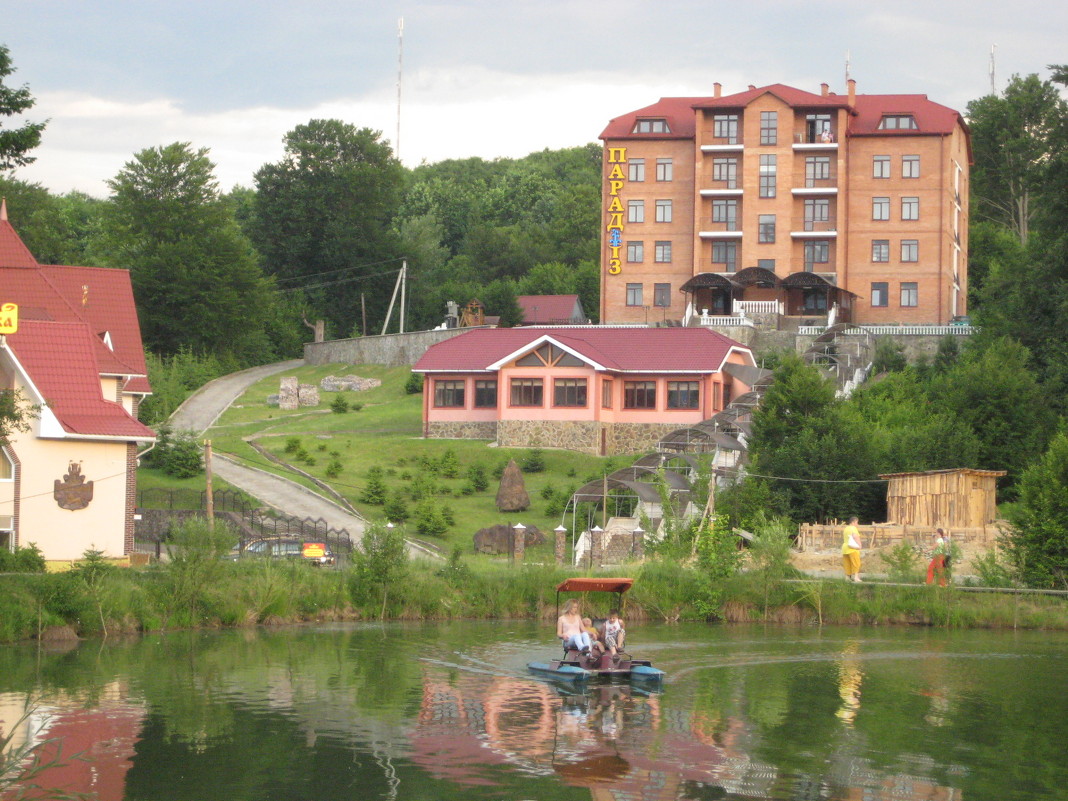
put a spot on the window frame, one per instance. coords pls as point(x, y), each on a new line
point(662, 295)
point(566, 388)
point(880, 209)
point(488, 385)
point(450, 393)
point(725, 126)
point(880, 251)
point(910, 251)
point(635, 391)
point(635, 248)
point(912, 288)
point(880, 167)
point(910, 166)
point(636, 170)
point(662, 252)
point(880, 290)
point(635, 211)
point(812, 248)
point(769, 170)
point(634, 291)
point(766, 229)
point(726, 247)
point(665, 170)
point(664, 210)
point(534, 387)
point(690, 394)
point(606, 393)
point(769, 127)
point(910, 209)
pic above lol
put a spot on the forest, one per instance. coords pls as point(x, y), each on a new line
point(225, 279)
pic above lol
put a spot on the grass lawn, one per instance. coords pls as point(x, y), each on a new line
point(386, 433)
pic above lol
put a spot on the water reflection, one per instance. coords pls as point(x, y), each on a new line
point(451, 713)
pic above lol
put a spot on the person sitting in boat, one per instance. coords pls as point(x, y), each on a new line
point(569, 628)
point(614, 633)
point(595, 637)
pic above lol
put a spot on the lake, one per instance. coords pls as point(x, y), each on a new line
point(367, 711)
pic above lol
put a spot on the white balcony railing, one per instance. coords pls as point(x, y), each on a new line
point(719, 320)
point(906, 330)
point(758, 307)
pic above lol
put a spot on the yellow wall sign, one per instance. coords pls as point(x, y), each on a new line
point(9, 318)
point(617, 157)
point(313, 550)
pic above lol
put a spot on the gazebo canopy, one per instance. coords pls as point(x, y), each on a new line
point(708, 281)
point(757, 276)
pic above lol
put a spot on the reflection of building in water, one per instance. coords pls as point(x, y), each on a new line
point(94, 744)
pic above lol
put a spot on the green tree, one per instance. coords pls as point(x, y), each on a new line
point(1015, 138)
point(194, 274)
point(1038, 538)
point(382, 562)
point(323, 219)
point(15, 143)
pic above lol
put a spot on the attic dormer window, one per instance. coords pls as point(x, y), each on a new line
point(651, 126)
point(898, 122)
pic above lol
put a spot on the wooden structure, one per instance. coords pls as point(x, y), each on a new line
point(958, 498)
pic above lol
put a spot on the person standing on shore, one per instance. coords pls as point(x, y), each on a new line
point(851, 550)
point(938, 560)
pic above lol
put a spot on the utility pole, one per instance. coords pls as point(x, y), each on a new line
point(363, 312)
point(210, 494)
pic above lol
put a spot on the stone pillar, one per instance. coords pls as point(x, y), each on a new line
point(560, 546)
point(596, 546)
point(519, 542)
point(637, 549)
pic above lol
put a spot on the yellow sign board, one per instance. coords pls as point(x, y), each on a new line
point(314, 550)
point(9, 318)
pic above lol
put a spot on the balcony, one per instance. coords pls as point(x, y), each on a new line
point(731, 187)
point(817, 229)
point(722, 144)
point(814, 141)
point(709, 228)
point(818, 186)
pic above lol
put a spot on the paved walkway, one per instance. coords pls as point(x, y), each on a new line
point(206, 405)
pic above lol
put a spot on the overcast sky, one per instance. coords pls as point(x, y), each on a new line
point(481, 77)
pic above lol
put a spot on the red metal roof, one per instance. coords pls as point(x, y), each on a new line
point(13, 253)
point(931, 117)
point(59, 358)
point(547, 309)
point(619, 349)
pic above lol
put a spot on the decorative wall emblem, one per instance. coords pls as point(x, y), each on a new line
point(73, 492)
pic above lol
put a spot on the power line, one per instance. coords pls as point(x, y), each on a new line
point(339, 269)
point(737, 472)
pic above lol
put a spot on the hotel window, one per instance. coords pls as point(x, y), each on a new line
point(880, 291)
point(636, 169)
point(880, 208)
point(725, 126)
point(569, 392)
point(910, 208)
point(639, 394)
point(910, 250)
point(651, 126)
point(817, 214)
point(606, 393)
point(635, 211)
point(768, 168)
point(636, 252)
point(664, 170)
point(661, 294)
point(766, 228)
point(880, 167)
point(910, 166)
point(634, 294)
point(725, 213)
point(769, 127)
point(880, 250)
point(663, 211)
point(766, 264)
point(485, 394)
point(662, 253)
point(817, 170)
point(526, 391)
point(725, 256)
point(817, 252)
point(897, 122)
point(725, 171)
point(910, 294)
point(449, 394)
point(683, 394)
point(7, 469)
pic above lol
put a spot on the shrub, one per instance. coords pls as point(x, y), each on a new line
point(534, 461)
point(428, 519)
point(322, 447)
point(414, 384)
point(339, 405)
point(333, 470)
point(450, 464)
point(395, 508)
point(476, 475)
point(177, 454)
point(902, 563)
point(28, 559)
point(292, 444)
point(375, 490)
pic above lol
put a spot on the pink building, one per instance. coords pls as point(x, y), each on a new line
point(596, 389)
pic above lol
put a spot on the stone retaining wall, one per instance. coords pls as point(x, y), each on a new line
point(582, 435)
point(391, 350)
point(456, 430)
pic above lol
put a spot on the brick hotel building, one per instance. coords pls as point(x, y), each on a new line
point(806, 202)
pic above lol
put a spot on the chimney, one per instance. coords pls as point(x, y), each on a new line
point(717, 89)
point(852, 91)
point(823, 89)
point(3, 208)
point(751, 87)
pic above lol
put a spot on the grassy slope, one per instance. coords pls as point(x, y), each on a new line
point(387, 432)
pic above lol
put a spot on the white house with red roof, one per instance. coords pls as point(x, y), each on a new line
point(597, 389)
point(72, 348)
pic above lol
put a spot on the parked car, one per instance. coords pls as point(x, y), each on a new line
point(315, 553)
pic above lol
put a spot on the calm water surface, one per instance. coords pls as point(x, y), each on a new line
point(450, 712)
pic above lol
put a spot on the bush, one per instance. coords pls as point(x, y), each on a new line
point(28, 559)
point(902, 563)
point(476, 475)
point(340, 405)
point(292, 445)
point(428, 519)
point(395, 508)
point(533, 462)
point(450, 464)
point(375, 491)
point(414, 384)
point(333, 470)
point(178, 455)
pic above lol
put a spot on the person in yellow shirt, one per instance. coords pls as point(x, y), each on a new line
point(851, 550)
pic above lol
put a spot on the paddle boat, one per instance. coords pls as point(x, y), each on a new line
point(573, 666)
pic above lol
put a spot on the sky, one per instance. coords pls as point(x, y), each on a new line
point(489, 78)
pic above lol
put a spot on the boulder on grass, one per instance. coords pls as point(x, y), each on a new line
point(498, 539)
point(512, 493)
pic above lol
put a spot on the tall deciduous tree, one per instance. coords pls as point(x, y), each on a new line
point(1015, 138)
point(194, 274)
point(15, 143)
point(1038, 538)
point(323, 219)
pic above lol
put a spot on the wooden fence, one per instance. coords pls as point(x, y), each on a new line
point(814, 537)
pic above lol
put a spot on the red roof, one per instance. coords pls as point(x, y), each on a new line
point(13, 253)
point(548, 309)
point(932, 118)
point(59, 358)
point(616, 349)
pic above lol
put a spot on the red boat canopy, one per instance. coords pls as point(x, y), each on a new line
point(619, 585)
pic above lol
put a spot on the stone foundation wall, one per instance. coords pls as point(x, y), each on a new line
point(581, 435)
point(391, 350)
point(634, 437)
point(460, 430)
